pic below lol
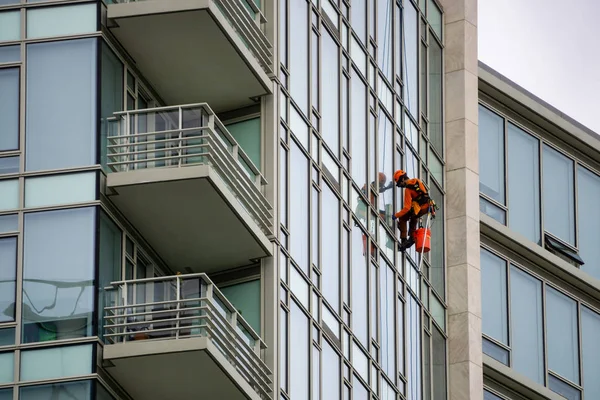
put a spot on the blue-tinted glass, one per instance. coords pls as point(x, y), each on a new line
point(111, 93)
point(491, 154)
point(80, 390)
point(330, 66)
point(494, 297)
point(56, 362)
point(559, 200)
point(411, 60)
point(6, 394)
point(7, 336)
point(359, 19)
point(58, 274)
point(439, 365)
point(7, 369)
point(299, 25)
point(331, 372)
point(8, 276)
point(9, 165)
point(10, 53)
point(590, 346)
point(9, 223)
point(527, 324)
point(61, 104)
point(562, 335)
point(565, 390)
point(384, 37)
point(299, 200)
point(492, 210)
point(359, 282)
point(330, 246)
point(358, 126)
point(490, 396)
point(414, 346)
point(109, 263)
point(496, 352)
point(61, 21)
point(299, 350)
point(9, 109)
point(588, 188)
point(387, 296)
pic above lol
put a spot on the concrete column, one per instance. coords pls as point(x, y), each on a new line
point(462, 200)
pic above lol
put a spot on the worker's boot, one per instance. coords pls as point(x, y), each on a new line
point(406, 243)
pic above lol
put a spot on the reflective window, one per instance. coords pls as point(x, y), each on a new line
point(384, 37)
point(527, 325)
point(413, 346)
point(299, 351)
point(387, 296)
point(436, 274)
point(9, 54)
point(559, 198)
point(6, 394)
point(434, 16)
point(8, 276)
point(436, 124)
point(330, 246)
point(490, 396)
point(245, 297)
point(359, 285)
point(102, 393)
point(58, 302)
point(247, 135)
point(386, 147)
point(9, 108)
point(358, 127)
point(7, 336)
point(411, 59)
point(60, 189)
point(61, 104)
point(299, 25)
point(7, 365)
point(524, 183)
point(491, 155)
point(359, 19)
point(61, 21)
point(299, 200)
point(283, 198)
point(111, 94)
point(439, 365)
point(283, 349)
point(56, 362)
point(80, 390)
point(9, 194)
point(590, 346)
point(565, 390)
point(10, 25)
point(9, 165)
point(588, 188)
point(9, 223)
point(109, 261)
point(562, 335)
point(331, 372)
point(494, 297)
point(330, 67)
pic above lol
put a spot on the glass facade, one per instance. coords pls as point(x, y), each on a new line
point(360, 98)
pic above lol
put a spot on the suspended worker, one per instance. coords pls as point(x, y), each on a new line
point(417, 203)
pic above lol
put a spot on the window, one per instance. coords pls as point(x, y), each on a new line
point(384, 37)
point(8, 276)
point(299, 67)
point(358, 127)
point(245, 297)
point(109, 262)
point(9, 165)
point(10, 25)
point(562, 335)
point(247, 134)
point(81, 390)
point(7, 363)
point(111, 96)
point(330, 247)
point(10, 54)
point(299, 201)
point(359, 285)
point(588, 187)
point(559, 195)
point(9, 194)
point(9, 108)
point(411, 60)
point(436, 124)
point(56, 362)
point(491, 155)
point(590, 346)
point(61, 104)
point(60, 189)
point(6, 394)
point(494, 302)
point(330, 67)
point(61, 21)
point(58, 302)
point(414, 346)
point(299, 351)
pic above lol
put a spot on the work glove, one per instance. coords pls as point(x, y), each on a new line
point(394, 217)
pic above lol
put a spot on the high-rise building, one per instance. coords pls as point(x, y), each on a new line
point(196, 201)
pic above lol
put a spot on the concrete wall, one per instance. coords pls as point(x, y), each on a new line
point(462, 200)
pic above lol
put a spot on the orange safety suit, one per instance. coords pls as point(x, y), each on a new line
point(416, 205)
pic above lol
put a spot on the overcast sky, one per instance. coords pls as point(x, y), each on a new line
point(549, 47)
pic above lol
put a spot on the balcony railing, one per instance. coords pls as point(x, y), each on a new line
point(186, 306)
point(246, 19)
point(182, 136)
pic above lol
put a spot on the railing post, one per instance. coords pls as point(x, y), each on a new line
point(180, 160)
point(124, 317)
point(209, 298)
point(178, 298)
point(127, 141)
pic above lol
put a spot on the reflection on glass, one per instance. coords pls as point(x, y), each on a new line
point(388, 327)
point(492, 210)
point(359, 286)
point(283, 349)
point(565, 390)
point(435, 96)
point(590, 346)
point(411, 60)
point(491, 154)
point(58, 302)
point(439, 364)
point(562, 335)
point(80, 390)
point(437, 278)
point(413, 347)
point(384, 37)
point(111, 94)
point(299, 351)
point(358, 126)
point(559, 199)
point(8, 276)
point(109, 264)
point(490, 396)
point(56, 362)
point(494, 297)
point(283, 198)
point(7, 336)
point(299, 25)
point(331, 372)
point(330, 245)
point(10, 54)
point(330, 67)
point(299, 201)
point(588, 189)
point(527, 325)
point(9, 108)
point(7, 364)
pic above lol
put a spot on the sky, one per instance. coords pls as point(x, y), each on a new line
point(549, 47)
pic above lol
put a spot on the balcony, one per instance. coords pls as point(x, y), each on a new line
point(179, 338)
point(212, 49)
point(182, 180)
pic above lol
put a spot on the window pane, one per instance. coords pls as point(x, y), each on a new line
point(411, 60)
point(359, 19)
point(102, 393)
point(109, 264)
point(434, 16)
point(58, 271)
point(435, 96)
point(491, 154)
point(331, 372)
point(10, 25)
point(8, 276)
point(437, 239)
point(111, 96)
point(386, 147)
point(359, 285)
point(7, 363)
point(299, 350)
point(330, 67)
point(299, 200)
point(60, 189)
point(496, 352)
point(590, 346)
point(494, 298)
point(61, 21)
point(490, 396)
point(9, 223)
point(588, 188)
point(559, 195)
point(330, 246)
point(299, 67)
point(562, 335)
point(245, 297)
point(387, 296)
point(565, 390)
point(6, 394)
point(439, 365)
point(384, 37)
point(527, 341)
point(414, 346)
point(9, 165)
point(358, 128)
point(492, 210)
point(61, 104)
point(9, 194)
point(9, 109)
point(10, 54)
point(247, 134)
point(81, 390)
point(56, 362)
point(7, 336)
point(524, 183)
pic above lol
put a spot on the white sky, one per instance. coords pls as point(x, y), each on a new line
point(549, 47)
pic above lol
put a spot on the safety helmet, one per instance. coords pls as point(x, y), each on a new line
point(382, 177)
point(398, 174)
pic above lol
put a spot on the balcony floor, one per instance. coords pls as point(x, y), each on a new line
point(175, 369)
point(189, 216)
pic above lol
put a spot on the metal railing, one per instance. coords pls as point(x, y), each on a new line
point(246, 18)
point(181, 136)
point(186, 306)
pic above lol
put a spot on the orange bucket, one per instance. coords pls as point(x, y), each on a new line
point(423, 237)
